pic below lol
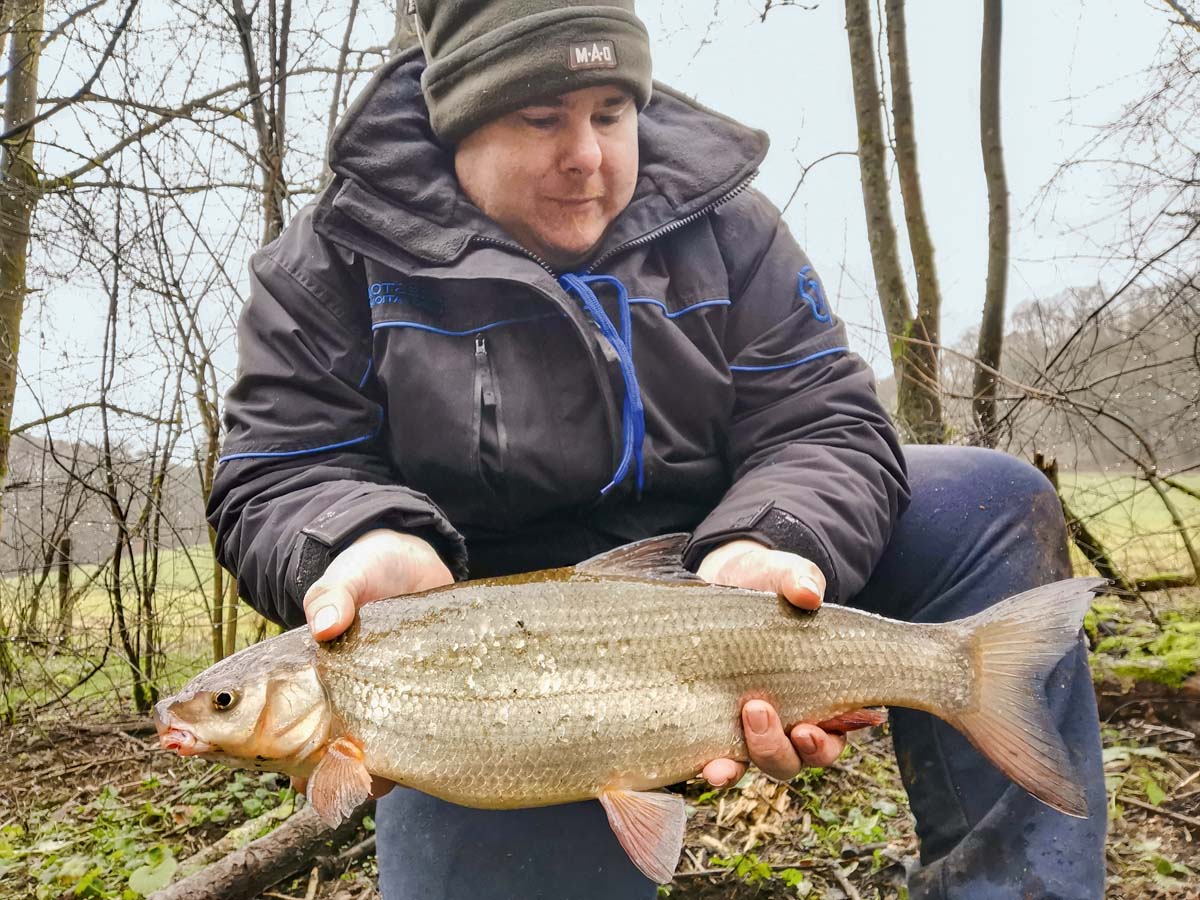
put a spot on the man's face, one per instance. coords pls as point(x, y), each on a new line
point(556, 174)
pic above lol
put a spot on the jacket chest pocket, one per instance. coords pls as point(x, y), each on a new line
point(490, 439)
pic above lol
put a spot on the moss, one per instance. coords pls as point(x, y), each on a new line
point(1167, 656)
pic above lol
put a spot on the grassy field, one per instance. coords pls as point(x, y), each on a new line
point(1133, 523)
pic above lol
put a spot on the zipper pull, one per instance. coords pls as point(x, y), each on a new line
point(487, 394)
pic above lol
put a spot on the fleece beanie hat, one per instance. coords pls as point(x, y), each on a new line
point(487, 58)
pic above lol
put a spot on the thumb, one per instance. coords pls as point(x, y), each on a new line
point(329, 607)
point(801, 583)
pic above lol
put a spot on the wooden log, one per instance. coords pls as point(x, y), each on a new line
point(287, 850)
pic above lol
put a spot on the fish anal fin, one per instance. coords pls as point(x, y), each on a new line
point(649, 825)
point(657, 559)
point(339, 782)
point(853, 719)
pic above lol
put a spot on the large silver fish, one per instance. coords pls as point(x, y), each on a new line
point(610, 679)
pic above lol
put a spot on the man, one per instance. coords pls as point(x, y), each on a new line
point(540, 313)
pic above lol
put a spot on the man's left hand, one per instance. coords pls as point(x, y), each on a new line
point(749, 564)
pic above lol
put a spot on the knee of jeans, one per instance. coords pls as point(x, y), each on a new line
point(1020, 487)
point(974, 479)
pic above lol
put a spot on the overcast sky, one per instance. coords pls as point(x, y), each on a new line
point(1067, 67)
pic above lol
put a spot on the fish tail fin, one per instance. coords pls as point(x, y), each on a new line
point(1014, 645)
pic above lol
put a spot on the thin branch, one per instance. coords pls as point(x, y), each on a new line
point(1188, 18)
point(87, 85)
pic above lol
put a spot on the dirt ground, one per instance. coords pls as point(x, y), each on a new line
point(91, 800)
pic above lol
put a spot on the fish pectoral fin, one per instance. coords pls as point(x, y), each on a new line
point(853, 719)
point(339, 782)
point(649, 825)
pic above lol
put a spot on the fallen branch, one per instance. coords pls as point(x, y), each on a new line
point(1133, 801)
point(246, 873)
point(1175, 705)
point(235, 839)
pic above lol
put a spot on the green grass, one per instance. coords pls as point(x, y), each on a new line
point(1132, 522)
point(184, 635)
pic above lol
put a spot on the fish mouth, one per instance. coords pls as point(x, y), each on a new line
point(183, 742)
point(174, 735)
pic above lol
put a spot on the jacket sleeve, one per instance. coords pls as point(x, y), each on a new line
point(815, 460)
point(302, 473)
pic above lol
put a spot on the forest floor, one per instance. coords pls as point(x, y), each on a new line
point(89, 807)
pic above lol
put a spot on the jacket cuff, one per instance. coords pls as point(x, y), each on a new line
point(779, 530)
point(372, 506)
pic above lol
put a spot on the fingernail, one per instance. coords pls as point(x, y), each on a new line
point(806, 745)
point(757, 719)
point(326, 617)
point(808, 584)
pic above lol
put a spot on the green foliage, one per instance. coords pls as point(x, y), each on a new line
point(115, 847)
point(746, 866)
point(1140, 650)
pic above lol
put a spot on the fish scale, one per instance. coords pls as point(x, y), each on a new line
point(532, 694)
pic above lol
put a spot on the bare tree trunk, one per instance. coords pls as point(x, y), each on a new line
point(991, 329)
point(65, 600)
point(18, 196)
point(216, 610)
point(268, 105)
point(921, 392)
point(231, 615)
point(881, 230)
point(405, 35)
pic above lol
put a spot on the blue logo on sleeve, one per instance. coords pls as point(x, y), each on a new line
point(811, 292)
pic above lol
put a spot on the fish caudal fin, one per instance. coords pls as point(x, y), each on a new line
point(1014, 645)
point(339, 782)
point(649, 825)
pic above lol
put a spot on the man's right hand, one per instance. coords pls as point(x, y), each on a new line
point(379, 564)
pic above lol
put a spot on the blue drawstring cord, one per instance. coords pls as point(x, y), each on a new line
point(633, 414)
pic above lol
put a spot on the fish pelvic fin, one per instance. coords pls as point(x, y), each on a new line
point(340, 782)
point(1014, 645)
point(649, 825)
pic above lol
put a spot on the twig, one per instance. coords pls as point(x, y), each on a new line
point(1133, 801)
point(1179, 787)
point(794, 864)
point(62, 770)
point(314, 881)
point(845, 885)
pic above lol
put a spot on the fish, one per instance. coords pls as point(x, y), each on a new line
point(610, 680)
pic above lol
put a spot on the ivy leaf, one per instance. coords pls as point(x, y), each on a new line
point(149, 879)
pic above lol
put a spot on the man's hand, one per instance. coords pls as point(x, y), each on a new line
point(380, 564)
point(749, 564)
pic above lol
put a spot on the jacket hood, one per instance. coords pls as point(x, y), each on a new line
point(396, 180)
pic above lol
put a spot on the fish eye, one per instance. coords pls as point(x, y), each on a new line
point(223, 700)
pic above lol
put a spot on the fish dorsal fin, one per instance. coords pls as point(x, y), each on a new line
point(657, 558)
point(649, 825)
point(339, 782)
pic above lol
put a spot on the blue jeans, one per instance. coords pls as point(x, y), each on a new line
point(982, 526)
